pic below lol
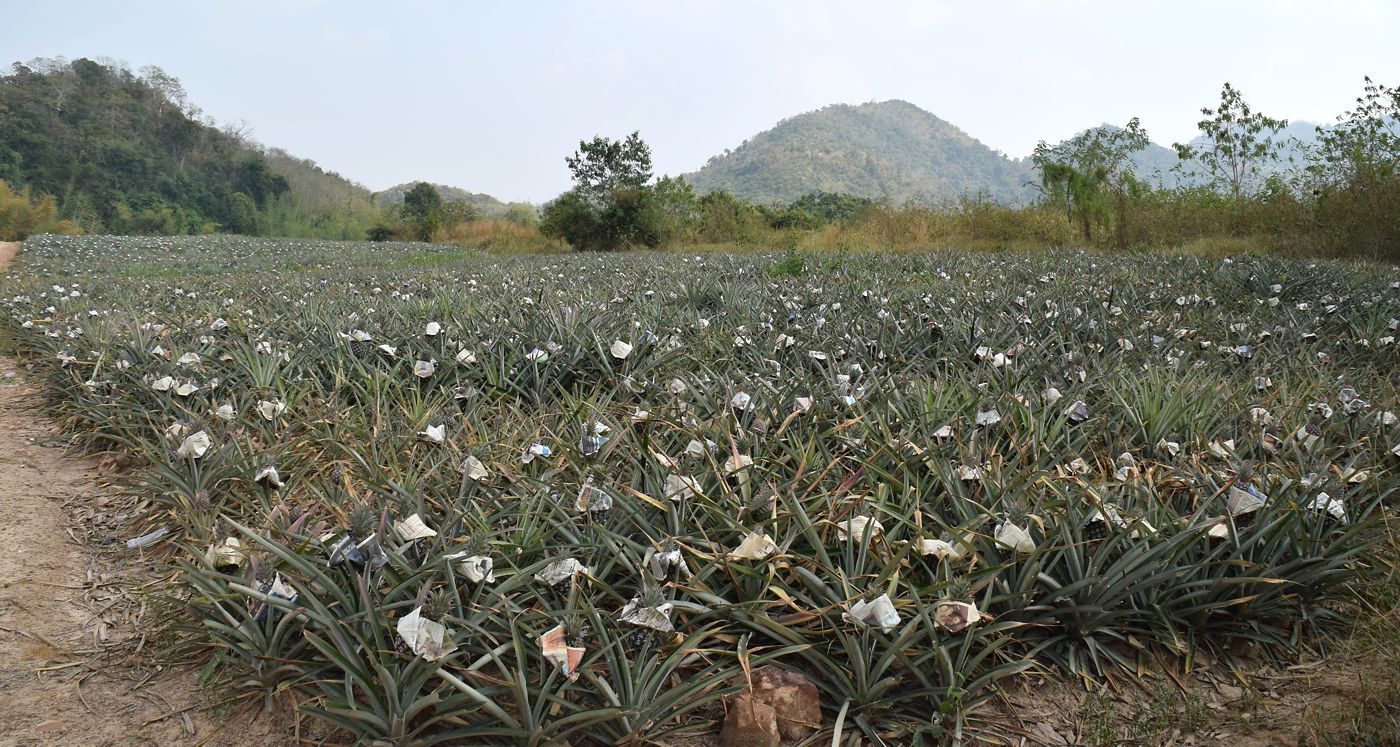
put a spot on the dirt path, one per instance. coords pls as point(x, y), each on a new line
point(74, 663)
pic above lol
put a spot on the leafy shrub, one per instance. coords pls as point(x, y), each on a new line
point(22, 214)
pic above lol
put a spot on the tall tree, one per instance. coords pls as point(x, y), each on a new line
point(602, 166)
point(1355, 172)
point(612, 205)
point(1091, 176)
point(1239, 144)
point(422, 207)
point(171, 91)
point(1365, 140)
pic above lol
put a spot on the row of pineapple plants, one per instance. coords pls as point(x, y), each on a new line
point(523, 501)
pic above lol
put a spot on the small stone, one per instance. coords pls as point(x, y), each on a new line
point(52, 726)
point(750, 723)
point(793, 697)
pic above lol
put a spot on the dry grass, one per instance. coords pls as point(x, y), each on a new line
point(1185, 224)
point(500, 236)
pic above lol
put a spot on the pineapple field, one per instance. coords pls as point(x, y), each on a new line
point(452, 498)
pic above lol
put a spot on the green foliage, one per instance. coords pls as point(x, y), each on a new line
point(379, 232)
point(422, 210)
point(525, 356)
point(122, 152)
point(679, 207)
point(572, 218)
point(1356, 173)
point(725, 218)
point(1365, 139)
point(423, 215)
point(321, 192)
point(521, 214)
point(627, 219)
point(790, 219)
point(1091, 176)
point(157, 220)
point(831, 207)
point(97, 136)
point(255, 180)
point(612, 206)
point(792, 265)
point(22, 214)
point(245, 215)
point(633, 218)
point(1239, 144)
point(603, 166)
point(421, 201)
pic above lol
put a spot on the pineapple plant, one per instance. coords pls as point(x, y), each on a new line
point(617, 536)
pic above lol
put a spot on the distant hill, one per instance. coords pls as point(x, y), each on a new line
point(1156, 165)
point(126, 152)
point(891, 149)
point(314, 186)
point(487, 205)
point(895, 150)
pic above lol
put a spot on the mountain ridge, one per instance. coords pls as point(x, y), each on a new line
point(889, 149)
point(487, 205)
point(899, 151)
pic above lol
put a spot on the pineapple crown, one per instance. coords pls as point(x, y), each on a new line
point(262, 566)
point(363, 522)
point(960, 590)
point(437, 605)
point(651, 594)
point(1244, 474)
point(575, 627)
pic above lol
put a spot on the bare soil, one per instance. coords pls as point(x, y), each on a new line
point(76, 664)
point(1338, 700)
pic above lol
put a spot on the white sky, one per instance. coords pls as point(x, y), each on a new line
point(491, 97)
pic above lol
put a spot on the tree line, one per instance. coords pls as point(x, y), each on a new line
point(1343, 198)
point(93, 146)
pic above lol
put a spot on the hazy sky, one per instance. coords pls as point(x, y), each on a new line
point(492, 97)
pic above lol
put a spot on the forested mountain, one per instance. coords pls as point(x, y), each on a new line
point(320, 203)
point(313, 185)
point(898, 151)
point(890, 149)
point(125, 152)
